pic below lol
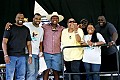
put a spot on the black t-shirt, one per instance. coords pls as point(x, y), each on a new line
point(107, 32)
point(17, 39)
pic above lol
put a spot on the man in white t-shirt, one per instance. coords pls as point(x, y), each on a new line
point(36, 32)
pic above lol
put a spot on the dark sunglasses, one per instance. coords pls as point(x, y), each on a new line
point(71, 21)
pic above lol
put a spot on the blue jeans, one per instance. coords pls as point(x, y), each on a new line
point(32, 69)
point(92, 68)
point(17, 65)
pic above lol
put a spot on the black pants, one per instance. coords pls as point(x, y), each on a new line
point(108, 62)
point(73, 67)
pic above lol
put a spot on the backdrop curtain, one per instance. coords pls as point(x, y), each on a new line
point(8, 11)
point(89, 9)
point(77, 9)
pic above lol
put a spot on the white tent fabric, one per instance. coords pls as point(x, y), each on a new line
point(39, 9)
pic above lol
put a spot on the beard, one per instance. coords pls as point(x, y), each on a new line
point(37, 23)
point(20, 22)
point(54, 22)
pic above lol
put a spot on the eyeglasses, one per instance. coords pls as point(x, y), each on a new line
point(71, 22)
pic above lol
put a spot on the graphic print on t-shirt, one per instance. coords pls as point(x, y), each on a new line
point(34, 36)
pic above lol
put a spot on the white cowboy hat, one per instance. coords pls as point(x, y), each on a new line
point(55, 14)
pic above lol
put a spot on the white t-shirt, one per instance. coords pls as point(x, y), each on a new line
point(36, 36)
point(92, 54)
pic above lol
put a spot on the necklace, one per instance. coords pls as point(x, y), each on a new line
point(70, 35)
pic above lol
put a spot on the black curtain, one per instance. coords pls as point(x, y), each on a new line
point(9, 9)
point(77, 9)
point(89, 9)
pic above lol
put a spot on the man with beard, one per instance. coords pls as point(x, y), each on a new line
point(36, 32)
point(51, 44)
point(110, 35)
point(15, 39)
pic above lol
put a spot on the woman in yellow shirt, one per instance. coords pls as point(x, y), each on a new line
point(72, 36)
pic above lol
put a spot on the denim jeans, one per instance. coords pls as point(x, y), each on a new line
point(73, 67)
point(17, 65)
point(53, 61)
point(32, 69)
point(92, 68)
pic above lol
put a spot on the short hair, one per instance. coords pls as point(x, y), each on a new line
point(37, 14)
point(83, 21)
point(20, 13)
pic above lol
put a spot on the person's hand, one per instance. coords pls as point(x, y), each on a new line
point(7, 59)
point(30, 60)
point(90, 43)
point(111, 43)
point(7, 26)
point(40, 54)
point(80, 26)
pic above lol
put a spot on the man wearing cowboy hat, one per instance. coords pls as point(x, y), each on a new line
point(51, 44)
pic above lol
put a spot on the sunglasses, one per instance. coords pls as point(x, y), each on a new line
point(71, 22)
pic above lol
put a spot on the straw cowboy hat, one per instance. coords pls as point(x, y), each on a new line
point(55, 14)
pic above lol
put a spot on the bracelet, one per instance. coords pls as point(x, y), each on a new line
point(30, 55)
point(95, 44)
point(5, 55)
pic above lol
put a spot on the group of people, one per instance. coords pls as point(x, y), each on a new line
point(25, 42)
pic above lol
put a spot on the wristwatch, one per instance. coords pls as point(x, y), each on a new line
point(30, 55)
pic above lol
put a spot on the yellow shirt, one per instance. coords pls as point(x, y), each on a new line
point(68, 39)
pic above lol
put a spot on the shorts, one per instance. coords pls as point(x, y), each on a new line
point(53, 61)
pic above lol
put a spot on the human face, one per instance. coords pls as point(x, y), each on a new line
point(90, 29)
point(70, 23)
point(101, 20)
point(19, 19)
point(54, 20)
point(37, 19)
point(84, 25)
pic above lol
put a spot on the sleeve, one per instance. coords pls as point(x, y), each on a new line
point(100, 37)
point(42, 35)
point(28, 35)
point(62, 39)
point(81, 33)
point(112, 29)
point(6, 34)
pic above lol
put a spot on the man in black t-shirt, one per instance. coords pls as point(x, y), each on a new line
point(108, 31)
point(14, 42)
